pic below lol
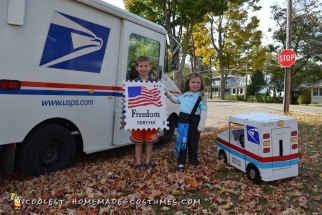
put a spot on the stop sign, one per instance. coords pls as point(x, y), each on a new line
point(286, 58)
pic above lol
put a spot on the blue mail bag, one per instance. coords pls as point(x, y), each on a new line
point(182, 138)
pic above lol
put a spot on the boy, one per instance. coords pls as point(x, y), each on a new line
point(143, 67)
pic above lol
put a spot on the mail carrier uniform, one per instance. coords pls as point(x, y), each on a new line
point(187, 102)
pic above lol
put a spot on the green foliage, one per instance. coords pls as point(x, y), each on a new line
point(265, 99)
point(234, 97)
point(306, 35)
point(258, 83)
point(179, 18)
point(305, 97)
point(310, 73)
point(235, 38)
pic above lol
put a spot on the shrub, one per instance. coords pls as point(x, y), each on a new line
point(305, 97)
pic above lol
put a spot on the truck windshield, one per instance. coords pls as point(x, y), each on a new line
point(140, 45)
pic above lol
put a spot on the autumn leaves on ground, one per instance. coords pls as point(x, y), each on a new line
point(105, 183)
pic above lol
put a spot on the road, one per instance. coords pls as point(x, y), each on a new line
point(218, 111)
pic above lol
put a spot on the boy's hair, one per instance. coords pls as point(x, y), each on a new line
point(195, 75)
point(142, 58)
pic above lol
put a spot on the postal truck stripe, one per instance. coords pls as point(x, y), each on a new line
point(60, 92)
point(258, 158)
point(69, 86)
point(260, 164)
point(65, 89)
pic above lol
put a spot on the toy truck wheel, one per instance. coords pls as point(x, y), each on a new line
point(222, 156)
point(48, 149)
point(253, 173)
point(168, 134)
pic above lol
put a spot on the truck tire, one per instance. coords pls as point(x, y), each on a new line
point(253, 173)
point(48, 149)
point(222, 155)
point(168, 134)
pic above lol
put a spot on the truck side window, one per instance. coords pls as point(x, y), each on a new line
point(140, 45)
point(238, 134)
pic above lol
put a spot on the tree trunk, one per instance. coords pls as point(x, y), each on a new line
point(178, 75)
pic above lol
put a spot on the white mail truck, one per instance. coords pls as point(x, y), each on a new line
point(62, 67)
point(265, 146)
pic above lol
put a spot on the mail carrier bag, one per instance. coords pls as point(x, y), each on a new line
point(182, 138)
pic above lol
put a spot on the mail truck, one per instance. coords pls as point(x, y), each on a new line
point(264, 146)
point(62, 68)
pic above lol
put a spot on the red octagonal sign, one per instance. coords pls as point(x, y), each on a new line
point(286, 58)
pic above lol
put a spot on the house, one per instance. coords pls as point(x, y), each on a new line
point(316, 91)
point(234, 85)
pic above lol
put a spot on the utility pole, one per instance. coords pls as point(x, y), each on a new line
point(245, 93)
point(288, 71)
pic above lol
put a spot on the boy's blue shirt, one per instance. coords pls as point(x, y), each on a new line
point(187, 102)
point(139, 79)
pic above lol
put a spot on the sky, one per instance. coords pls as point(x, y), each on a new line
point(263, 15)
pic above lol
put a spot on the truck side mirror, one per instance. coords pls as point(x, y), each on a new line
point(175, 64)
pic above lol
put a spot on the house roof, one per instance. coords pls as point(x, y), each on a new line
point(310, 85)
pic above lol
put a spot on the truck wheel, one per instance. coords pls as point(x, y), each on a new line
point(253, 173)
point(168, 134)
point(222, 156)
point(48, 149)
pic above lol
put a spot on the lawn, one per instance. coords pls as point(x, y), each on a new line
point(106, 183)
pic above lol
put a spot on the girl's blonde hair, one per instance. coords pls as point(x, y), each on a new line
point(195, 75)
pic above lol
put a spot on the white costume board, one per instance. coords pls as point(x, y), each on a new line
point(145, 106)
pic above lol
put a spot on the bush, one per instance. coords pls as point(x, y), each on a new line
point(265, 99)
point(305, 98)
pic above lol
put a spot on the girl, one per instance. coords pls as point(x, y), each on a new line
point(194, 87)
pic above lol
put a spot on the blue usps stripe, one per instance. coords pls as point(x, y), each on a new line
point(74, 44)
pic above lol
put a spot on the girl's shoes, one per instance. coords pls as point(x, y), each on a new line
point(181, 167)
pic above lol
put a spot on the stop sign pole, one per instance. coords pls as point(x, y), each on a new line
point(288, 60)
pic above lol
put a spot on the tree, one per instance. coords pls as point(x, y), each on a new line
point(235, 39)
point(257, 84)
point(306, 36)
point(179, 18)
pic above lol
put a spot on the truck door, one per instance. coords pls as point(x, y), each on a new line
point(237, 150)
point(135, 40)
point(281, 146)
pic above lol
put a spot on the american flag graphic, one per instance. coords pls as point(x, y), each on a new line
point(141, 96)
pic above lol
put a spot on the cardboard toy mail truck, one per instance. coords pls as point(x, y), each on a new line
point(265, 146)
point(62, 68)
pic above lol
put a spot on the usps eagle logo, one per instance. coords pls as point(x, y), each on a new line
point(74, 44)
point(252, 134)
point(144, 105)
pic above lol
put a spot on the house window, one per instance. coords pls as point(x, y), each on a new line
point(315, 91)
point(320, 91)
point(234, 91)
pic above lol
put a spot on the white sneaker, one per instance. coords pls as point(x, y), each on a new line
point(181, 166)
